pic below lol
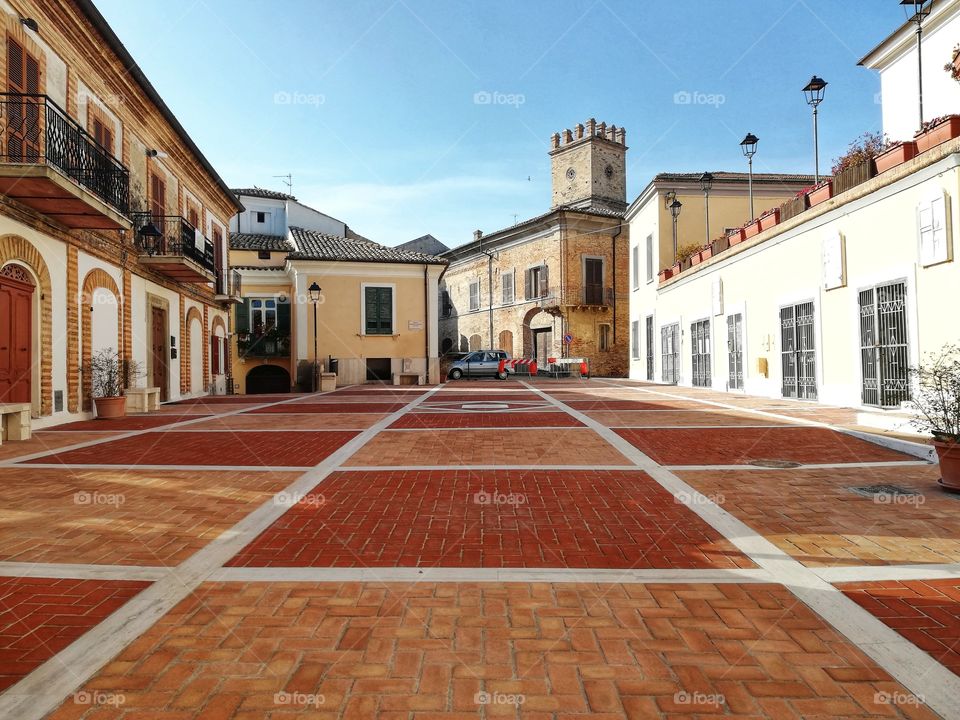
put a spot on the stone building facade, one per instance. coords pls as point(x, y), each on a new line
point(559, 276)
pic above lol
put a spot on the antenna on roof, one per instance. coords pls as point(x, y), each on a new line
point(288, 181)
point(515, 216)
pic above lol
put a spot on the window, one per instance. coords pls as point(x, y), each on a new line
point(378, 310)
point(649, 258)
point(507, 281)
point(23, 121)
point(593, 281)
point(158, 197)
point(261, 217)
point(475, 295)
point(635, 339)
point(100, 126)
point(538, 282)
point(700, 353)
point(263, 315)
point(216, 355)
point(604, 338)
point(263, 254)
point(935, 242)
point(635, 267)
point(649, 347)
point(193, 215)
point(446, 306)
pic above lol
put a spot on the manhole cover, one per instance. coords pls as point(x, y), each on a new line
point(778, 464)
point(871, 491)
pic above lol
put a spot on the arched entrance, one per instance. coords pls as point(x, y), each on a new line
point(538, 336)
point(475, 342)
point(101, 319)
point(267, 379)
point(16, 334)
point(506, 342)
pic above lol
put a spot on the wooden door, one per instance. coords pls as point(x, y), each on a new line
point(158, 350)
point(23, 122)
point(16, 341)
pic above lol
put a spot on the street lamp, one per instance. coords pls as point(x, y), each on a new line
point(706, 182)
point(814, 92)
point(314, 291)
point(749, 147)
point(920, 12)
point(675, 214)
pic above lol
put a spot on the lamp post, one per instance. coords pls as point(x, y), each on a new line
point(675, 214)
point(749, 147)
point(920, 12)
point(314, 291)
point(706, 182)
point(814, 92)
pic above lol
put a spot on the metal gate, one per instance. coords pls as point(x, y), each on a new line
point(735, 351)
point(649, 347)
point(700, 352)
point(798, 352)
point(884, 354)
point(670, 353)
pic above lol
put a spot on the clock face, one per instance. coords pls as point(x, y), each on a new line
point(608, 171)
point(571, 173)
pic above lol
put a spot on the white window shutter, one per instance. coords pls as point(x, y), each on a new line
point(833, 268)
point(934, 225)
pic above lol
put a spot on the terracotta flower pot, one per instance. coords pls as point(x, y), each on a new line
point(939, 134)
point(821, 194)
point(752, 229)
point(666, 275)
point(706, 253)
point(896, 155)
point(769, 219)
point(677, 267)
point(109, 408)
point(735, 237)
point(949, 454)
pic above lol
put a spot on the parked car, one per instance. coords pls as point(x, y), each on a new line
point(480, 363)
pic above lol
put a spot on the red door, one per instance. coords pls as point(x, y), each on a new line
point(16, 301)
point(159, 351)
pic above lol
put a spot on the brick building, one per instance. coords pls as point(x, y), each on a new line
point(524, 288)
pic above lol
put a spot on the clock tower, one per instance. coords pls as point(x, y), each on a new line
point(588, 166)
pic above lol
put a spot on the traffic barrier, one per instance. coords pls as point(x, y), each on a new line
point(529, 365)
point(582, 362)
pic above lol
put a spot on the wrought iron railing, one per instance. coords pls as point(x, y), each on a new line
point(271, 343)
point(36, 131)
point(228, 283)
point(177, 238)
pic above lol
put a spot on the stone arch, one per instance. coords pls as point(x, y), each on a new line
point(96, 279)
point(475, 342)
point(186, 367)
point(506, 342)
point(266, 379)
point(19, 250)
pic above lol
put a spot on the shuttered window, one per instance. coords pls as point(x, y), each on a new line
point(649, 258)
point(378, 310)
point(537, 282)
point(635, 267)
point(446, 306)
point(507, 282)
point(215, 346)
point(934, 239)
point(158, 195)
point(23, 122)
point(475, 295)
point(635, 339)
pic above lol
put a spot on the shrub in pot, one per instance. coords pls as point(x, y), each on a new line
point(937, 401)
point(109, 375)
point(937, 131)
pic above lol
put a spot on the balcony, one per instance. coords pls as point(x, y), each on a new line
point(272, 343)
point(591, 296)
point(171, 245)
point(49, 163)
point(228, 286)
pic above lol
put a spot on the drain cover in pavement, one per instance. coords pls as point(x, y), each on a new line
point(778, 464)
point(890, 490)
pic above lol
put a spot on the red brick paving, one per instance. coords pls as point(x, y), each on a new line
point(291, 449)
point(618, 405)
point(485, 397)
point(600, 519)
point(424, 652)
point(486, 420)
point(235, 399)
point(738, 446)
point(330, 407)
point(39, 617)
point(128, 423)
point(925, 612)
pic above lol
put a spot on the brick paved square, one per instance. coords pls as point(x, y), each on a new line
point(812, 515)
point(677, 418)
point(39, 617)
point(541, 518)
point(125, 424)
point(123, 517)
point(227, 449)
point(511, 446)
point(486, 420)
point(330, 407)
point(46, 441)
point(739, 446)
point(353, 650)
point(291, 421)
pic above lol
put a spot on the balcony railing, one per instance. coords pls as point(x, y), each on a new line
point(271, 343)
point(228, 283)
point(178, 238)
point(36, 131)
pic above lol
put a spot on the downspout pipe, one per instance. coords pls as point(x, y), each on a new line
point(426, 322)
point(613, 248)
point(489, 290)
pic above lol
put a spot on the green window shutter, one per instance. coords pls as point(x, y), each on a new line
point(371, 310)
point(283, 317)
point(378, 302)
point(242, 324)
point(386, 311)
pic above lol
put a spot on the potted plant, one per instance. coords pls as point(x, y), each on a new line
point(769, 219)
point(109, 376)
point(685, 255)
point(953, 67)
point(894, 154)
point(821, 193)
point(937, 131)
point(666, 274)
point(735, 236)
point(751, 228)
point(856, 165)
point(706, 252)
point(937, 401)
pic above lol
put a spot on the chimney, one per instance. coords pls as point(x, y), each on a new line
point(555, 140)
point(567, 137)
point(477, 234)
point(579, 131)
point(591, 127)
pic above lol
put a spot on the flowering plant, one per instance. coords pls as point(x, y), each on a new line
point(953, 67)
point(863, 149)
point(930, 124)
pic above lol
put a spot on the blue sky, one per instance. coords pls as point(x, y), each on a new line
point(372, 105)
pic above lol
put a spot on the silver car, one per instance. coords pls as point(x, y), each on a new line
point(480, 363)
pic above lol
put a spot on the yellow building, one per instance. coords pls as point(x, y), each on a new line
point(375, 311)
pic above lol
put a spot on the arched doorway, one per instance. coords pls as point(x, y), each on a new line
point(101, 324)
point(16, 334)
point(538, 336)
point(475, 342)
point(446, 346)
point(506, 342)
point(195, 328)
point(267, 379)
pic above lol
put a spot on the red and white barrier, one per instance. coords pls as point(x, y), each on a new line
point(582, 362)
point(530, 365)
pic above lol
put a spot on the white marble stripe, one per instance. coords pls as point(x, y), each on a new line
point(810, 466)
point(879, 573)
point(911, 666)
point(82, 571)
point(192, 468)
point(402, 468)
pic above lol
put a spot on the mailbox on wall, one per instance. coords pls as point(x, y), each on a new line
point(173, 353)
